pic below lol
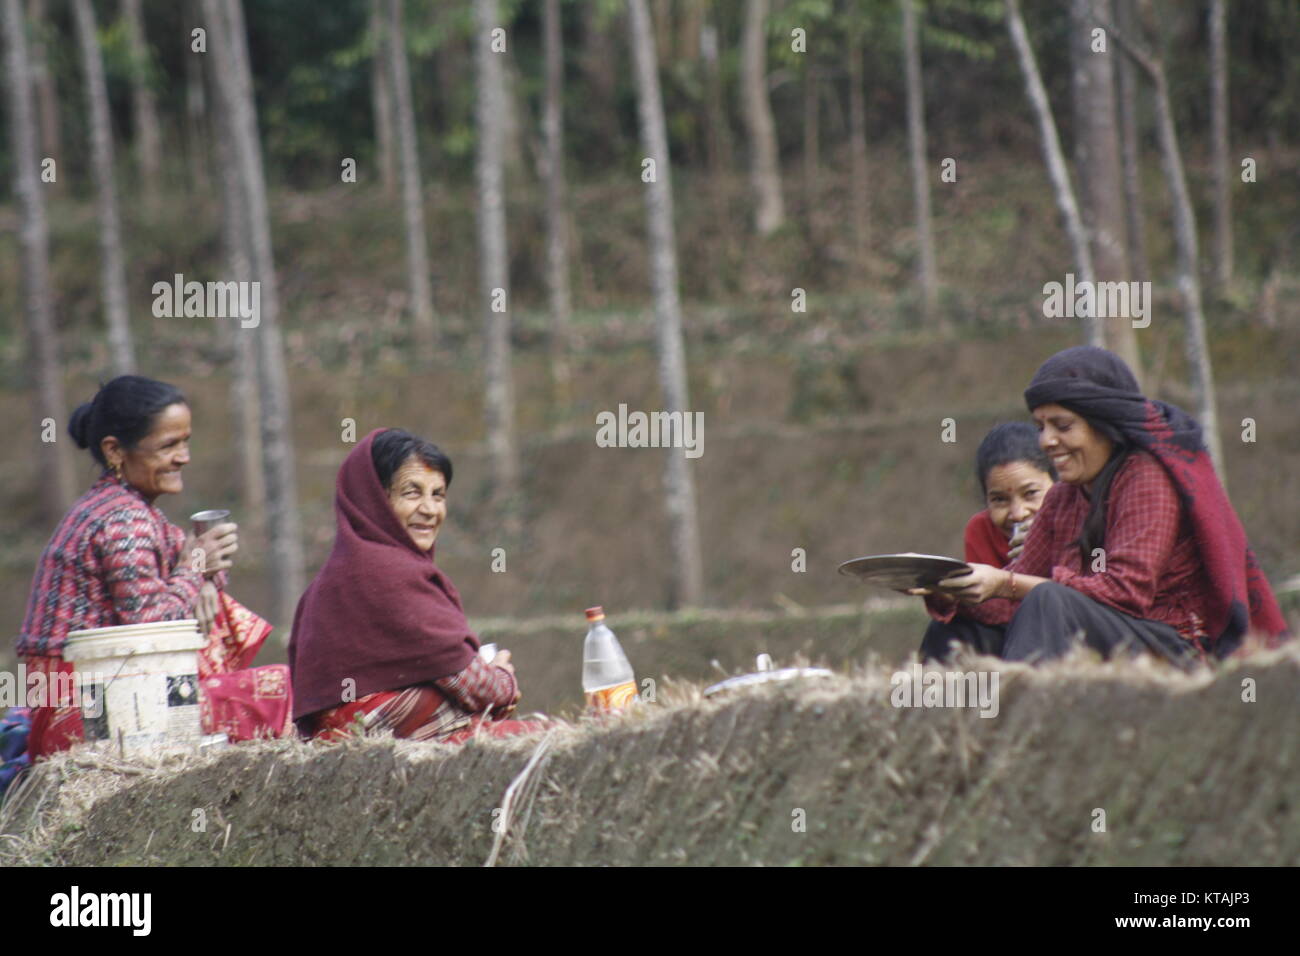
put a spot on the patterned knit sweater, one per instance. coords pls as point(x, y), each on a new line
point(114, 559)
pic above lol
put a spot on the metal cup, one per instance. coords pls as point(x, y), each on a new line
point(206, 520)
point(487, 652)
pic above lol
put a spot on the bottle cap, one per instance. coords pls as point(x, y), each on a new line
point(596, 613)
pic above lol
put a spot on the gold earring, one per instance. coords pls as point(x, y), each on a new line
point(117, 470)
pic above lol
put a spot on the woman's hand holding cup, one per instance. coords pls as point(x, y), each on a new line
point(218, 545)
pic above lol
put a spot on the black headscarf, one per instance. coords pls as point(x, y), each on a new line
point(1098, 385)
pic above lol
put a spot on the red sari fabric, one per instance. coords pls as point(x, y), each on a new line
point(242, 702)
point(413, 713)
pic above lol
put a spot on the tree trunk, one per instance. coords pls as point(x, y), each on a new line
point(494, 265)
point(227, 42)
point(861, 201)
point(687, 584)
point(557, 248)
point(514, 149)
point(417, 251)
point(926, 274)
point(811, 134)
point(1134, 229)
point(112, 265)
point(1219, 137)
point(144, 107)
point(196, 150)
point(718, 136)
point(236, 240)
point(599, 63)
point(47, 93)
point(1053, 156)
point(1096, 144)
point(53, 461)
point(764, 168)
point(1198, 350)
point(381, 98)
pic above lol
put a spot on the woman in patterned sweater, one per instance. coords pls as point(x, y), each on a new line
point(115, 559)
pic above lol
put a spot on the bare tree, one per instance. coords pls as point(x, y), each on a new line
point(811, 130)
point(1134, 230)
point(381, 98)
point(1053, 156)
point(196, 107)
point(112, 264)
point(47, 93)
point(53, 461)
point(144, 107)
point(861, 194)
point(1096, 145)
point(237, 244)
point(926, 272)
point(228, 43)
point(1198, 350)
point(599, 62)
point(764, 167)
point(557, 246)
point(417, 250)
point(494, 266)
point(1219, 139)
point(687, 565)
point(717, 141)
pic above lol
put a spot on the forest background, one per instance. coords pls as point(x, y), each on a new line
point(841, 248)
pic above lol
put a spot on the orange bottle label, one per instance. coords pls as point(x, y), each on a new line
point(613, 698)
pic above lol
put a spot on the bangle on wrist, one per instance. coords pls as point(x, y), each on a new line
point(1011, 585)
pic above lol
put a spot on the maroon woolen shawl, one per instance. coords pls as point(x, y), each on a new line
point(1098, 385)
point(379, 612)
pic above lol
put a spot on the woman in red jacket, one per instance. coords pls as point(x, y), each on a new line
point(1137, 548)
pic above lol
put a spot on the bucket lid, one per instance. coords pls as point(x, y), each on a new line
point(153, 637)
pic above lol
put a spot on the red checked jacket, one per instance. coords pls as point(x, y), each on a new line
point(479, 687)
point(1153, 568)
point(114, 559)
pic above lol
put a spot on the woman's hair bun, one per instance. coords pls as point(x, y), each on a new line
point(79, 424)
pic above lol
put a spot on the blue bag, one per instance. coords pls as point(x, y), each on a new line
point(15, 727)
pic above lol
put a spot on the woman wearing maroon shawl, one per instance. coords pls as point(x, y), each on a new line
point(1137, 547)
point(380, 641)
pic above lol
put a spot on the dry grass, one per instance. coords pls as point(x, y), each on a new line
point(1186, 771)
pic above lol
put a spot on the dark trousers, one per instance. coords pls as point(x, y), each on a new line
point(1049, 622)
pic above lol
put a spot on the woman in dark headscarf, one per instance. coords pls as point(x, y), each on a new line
point(380, 642)
point(1136, 548)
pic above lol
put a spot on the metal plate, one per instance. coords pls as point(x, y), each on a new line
point(765, 677)
point(902, 571)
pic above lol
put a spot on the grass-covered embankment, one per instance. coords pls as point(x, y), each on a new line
point(1186, 771)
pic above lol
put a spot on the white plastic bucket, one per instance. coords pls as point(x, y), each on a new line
point(139, 683)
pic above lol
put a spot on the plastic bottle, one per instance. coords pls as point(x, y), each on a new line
point(607, 677)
